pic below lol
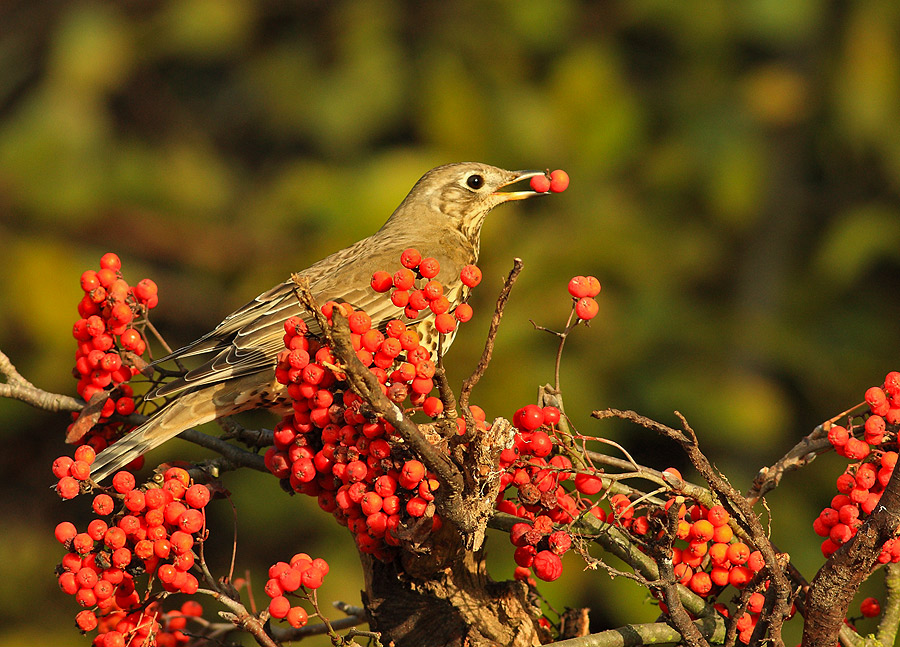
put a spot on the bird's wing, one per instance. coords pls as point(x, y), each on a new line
point(249, 340)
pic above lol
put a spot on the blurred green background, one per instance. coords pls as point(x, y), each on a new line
point(735, 171)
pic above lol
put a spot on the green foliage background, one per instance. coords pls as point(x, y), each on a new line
point(735, 172)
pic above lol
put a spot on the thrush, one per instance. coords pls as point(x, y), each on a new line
point(442, 217)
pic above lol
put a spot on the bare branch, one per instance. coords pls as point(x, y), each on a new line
point(242, 618)
point(488, 351)
point(17, 387)
point(800, 455)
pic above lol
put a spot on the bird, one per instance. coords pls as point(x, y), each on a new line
point(442, 217)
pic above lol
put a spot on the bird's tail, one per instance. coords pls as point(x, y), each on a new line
point(189, 409)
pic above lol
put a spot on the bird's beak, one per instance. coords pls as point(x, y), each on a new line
point(519, 195)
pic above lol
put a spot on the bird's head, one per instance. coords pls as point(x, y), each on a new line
point(462, 195)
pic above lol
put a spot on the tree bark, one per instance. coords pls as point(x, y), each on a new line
point(443, 597)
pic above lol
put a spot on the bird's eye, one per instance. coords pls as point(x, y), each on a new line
point(475, 181)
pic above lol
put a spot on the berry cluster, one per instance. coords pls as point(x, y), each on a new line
point(331, 447)
point(106, 337)
point(430, 296)
point(873, 458)
point(555, 182)
point(296, 579)
point(539, 547)
point(583, 289)
point(706, 554)
point(150, 530)
point(540, 497)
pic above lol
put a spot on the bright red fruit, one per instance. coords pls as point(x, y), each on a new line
point(540, 183)
point(586, 308)
point(559, 181)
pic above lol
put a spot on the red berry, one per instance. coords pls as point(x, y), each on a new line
point(559, 181)
point(65, 531)
point(197, 496)
point(429, 268)
point(123, 482)
point(62, 466)
point(579, 287)
point(838, 436)
point(588, 483)
point(470, 275)
point(529, 417)
point(594, 286)
point(445, 323)
point(297, 617)
point(877, 401)
point(382, 281)
point(103, 504)
point(547, 565)
point(404, 279)
point(359, 322)
point(89, 281)
point(586, 308)
point(411, 474)
point(110, 261)
point(67, 487)
point(870, 607)
point(540, 183)
point(700, 583)
point(463, 312)
point(738, 553)
point(279, 607)
point(432, 407)
point(145, 290)
point(86, 620)
point(191, 521)
point(410, 258)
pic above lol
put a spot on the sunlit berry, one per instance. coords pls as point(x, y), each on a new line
point(588, 483)
point(445, 323)
point(429, 268)
point(382, 281)
point(547, 565)
point(410, 258)
point(540, 183)
point(559, 181)
point(586, 308)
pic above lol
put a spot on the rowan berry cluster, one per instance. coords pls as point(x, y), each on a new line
point(430, 295)
point(583, 290)
point(555, 182)
point(107, 341)
point(551, 494)
point(138, 531)
point(331, 447)
point(873, 459)
point(295, 579)
point(540, 497)
point(707, 556)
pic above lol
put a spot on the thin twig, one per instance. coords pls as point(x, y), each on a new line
point(242, 618)
point(799, 456)
point(17, 387)
point(470, 382)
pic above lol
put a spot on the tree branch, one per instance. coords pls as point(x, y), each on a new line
point(17, 387)
point(470, 382)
